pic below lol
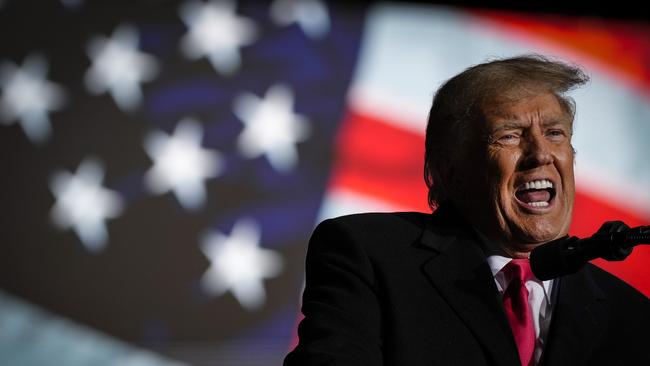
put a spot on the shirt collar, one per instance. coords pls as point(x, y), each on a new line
point(497, 262)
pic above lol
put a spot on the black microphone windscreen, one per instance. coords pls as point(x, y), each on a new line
point(555, 259)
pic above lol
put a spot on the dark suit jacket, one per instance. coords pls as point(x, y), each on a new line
point(415, 289)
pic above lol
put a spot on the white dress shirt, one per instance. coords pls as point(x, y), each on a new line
point(539, 300)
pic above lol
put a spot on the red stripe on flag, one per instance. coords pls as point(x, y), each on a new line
point(380, 160)
point(620, 46)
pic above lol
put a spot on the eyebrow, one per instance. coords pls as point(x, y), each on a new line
point(514, 124)
point(556, 121)
point(510, 125)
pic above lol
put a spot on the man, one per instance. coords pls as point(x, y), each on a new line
point(454, 287)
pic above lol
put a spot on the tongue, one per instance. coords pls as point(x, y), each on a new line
point(534, 195)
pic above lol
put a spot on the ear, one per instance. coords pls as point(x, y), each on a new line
point(455, 184)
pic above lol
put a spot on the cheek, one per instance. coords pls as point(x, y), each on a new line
point(502, 168)
point(565, 164)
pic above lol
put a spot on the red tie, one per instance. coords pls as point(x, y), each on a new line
point(515, 300)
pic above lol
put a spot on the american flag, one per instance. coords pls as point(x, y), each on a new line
point(163, 163)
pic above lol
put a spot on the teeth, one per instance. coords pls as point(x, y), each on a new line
point(538, 184)
point(539, 204)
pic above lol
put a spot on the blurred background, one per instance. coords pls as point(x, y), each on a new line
point(164, 162)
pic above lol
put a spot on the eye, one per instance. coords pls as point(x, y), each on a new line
point(556, 134)
point(509, 139)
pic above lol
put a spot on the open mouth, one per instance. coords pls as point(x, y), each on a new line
point(536, 194)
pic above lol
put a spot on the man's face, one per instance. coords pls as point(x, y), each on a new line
point(519, 177)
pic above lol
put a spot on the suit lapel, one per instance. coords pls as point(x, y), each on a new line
point(463, 278)
point(579, 312)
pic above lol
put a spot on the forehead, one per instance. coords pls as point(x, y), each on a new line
point(541, 108)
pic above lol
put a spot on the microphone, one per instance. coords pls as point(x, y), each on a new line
point(614, 241)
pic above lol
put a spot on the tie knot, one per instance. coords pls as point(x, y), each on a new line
point(518, 269)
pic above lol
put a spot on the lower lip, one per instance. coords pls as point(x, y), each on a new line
point(537, 209)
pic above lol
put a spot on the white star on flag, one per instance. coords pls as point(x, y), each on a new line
point(180, 164)
point(238, 264)
point(216, 32)
point(119, 68)
point(83, 204)
point(311, 15)
point(270, 127)
point(27, 97)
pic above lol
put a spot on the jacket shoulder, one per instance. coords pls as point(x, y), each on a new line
point(617, 289)
point(379, 225)
point(382, 218)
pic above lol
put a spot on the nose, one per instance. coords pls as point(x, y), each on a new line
point(537, 151)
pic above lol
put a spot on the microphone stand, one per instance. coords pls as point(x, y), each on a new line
point(614, 241)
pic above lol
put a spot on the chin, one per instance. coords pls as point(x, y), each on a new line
point(533, 227)
point(538, 233)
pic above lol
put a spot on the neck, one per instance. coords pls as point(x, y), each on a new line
point(515, 253)
point(499, 247)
